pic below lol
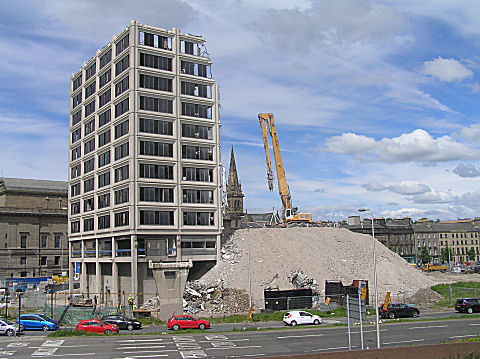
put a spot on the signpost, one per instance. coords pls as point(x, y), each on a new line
point(356, 311)
point(19, 293)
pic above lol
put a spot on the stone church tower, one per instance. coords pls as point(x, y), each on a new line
point(234, 211)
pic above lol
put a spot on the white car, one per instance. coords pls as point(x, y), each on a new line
point(295, 317)
point(7, 328)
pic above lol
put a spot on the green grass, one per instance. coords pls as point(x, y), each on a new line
point(72, 333)
point(459, 290)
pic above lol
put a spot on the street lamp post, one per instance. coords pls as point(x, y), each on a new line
point(374, 275)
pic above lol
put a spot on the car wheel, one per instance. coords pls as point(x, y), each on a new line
point(130, 327)
point(316, 322)
point(107, 332)
point(9, 333)
point(176, 327)
point(201, 326)
point(391, 315)
point(45, 328)
point(415, 314)
point(293, 323)
point(470, 310)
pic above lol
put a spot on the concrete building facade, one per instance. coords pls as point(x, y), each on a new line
point(144, 165)
point(33, 228)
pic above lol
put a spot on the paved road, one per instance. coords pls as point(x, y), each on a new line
point(208, 344)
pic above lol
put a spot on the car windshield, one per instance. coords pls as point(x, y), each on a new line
point(44, 317)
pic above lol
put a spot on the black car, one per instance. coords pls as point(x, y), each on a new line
point(122, 322)
point(467, 305)
point(398, 310)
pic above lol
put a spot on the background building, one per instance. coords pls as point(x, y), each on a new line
point(145, 186)
point(234, 209)
point(33, 228)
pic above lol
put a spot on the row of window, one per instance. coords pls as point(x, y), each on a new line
point(459, 243)
point(43, 241)
point(147, 217)
point(42, 261)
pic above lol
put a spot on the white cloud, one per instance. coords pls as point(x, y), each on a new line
point(416, 146)
point(447, 70)
point(433, 197)
point(467, 170)
point(471, 133)
point(409, 188)
point(374, 187)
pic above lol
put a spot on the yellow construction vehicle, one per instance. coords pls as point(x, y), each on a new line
point(289, 213)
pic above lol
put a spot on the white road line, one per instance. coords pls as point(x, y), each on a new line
point(79, 354)
point(152, 351)
point(252, 355)
point(405, 341)
point(139, 340)
point(463, 336)
point(145, 356)
point(323, 349)
point(430, 326)
point(251, 346)
point(301, 336)
point(367, 331)
point(474, 324)
point(222, 340)
point(145, 347)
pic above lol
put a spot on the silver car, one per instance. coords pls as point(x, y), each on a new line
point(7, 328)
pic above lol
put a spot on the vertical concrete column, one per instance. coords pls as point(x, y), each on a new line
point(98, 269)
point(134, 266)
point(84, 278)
point(71, 269)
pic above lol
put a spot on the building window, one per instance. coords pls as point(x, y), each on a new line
point(121, 219)
point(197, 196)
point(77, 82)
point(121, 86)
point(76, 153)
point(43, 241)
point(104, 222)
point(197, 174)
point(88, 224)
point(75, 227)
point(76, 117)
point(121, 151)
point(88, 165)
point(23, 260)
point(76, 135)
point(23, 241)
point(157, 218)
point(159, 149)
point(154, 194)
point(104, 200)
point(121, 173)
point(198, 218)
point(104, 179)
point(157, 127)
point(90, 71)
point(105, 58)
point(57, 241)
point(191, 68)
point(77, 99)
point(196, 131)
point(88, 205)
point(196, 110)
point(156, 62)
point(23, 274)
point(197, 153)
point(43, 261)
point(89, 146)
point(156, 104)
point(89, 127)
point(155, 83)
point(75, 189)
point(121, 65)
point(76, 171)
point(57, 260)
point(104, 98)
point(103, 138)
point(104, 118)
point(75, 208)
point(194, 89)
point(89, 108)
point(122, 44)
point(156, 171)
point(105, 78)
point(103, 159)
point(90, 90)
point(121, 107)
point(88, 185)
point(121, 129)
point(153, 40)
point(121, 196)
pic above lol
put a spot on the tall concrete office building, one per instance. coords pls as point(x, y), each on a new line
point(144, 167)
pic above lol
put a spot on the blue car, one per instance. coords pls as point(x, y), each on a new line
point(37, 322)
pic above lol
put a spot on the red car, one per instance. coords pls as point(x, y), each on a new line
point(187, 321)
point(96, 326)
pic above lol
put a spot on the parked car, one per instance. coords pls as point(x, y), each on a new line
point(398, 310)
point(122, 322)
point(295, 317)
point(187, 321)
point(8, 328)
point(96, 326)
point(37, 321)
point(467, 305)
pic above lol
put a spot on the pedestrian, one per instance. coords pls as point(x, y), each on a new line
point(95, 300)
point(130, 300)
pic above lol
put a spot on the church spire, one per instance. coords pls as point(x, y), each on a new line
point(234, 190)
point(232, 172)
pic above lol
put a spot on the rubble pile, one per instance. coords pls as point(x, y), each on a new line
point(425, 296)
point(300, 280)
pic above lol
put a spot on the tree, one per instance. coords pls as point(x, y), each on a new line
point(444, 254)
point(425, 255)
point(471, 254)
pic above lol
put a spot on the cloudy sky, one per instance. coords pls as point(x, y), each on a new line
point(375, 102)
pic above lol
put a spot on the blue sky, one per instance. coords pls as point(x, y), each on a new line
point(375, 102)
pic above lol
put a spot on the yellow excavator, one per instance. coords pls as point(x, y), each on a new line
point(289, 213)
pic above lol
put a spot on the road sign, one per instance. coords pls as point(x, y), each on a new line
point(77, 267)
point(364, 293)
point(354, 309)
point(387, 300)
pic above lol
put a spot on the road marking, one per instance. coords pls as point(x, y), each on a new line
point(251, 346)
point(430, 326)
point(301, 336)
point(48, 348)
point(463, 336)
point(405, 341)
point(368, 331)
point(474, 324)
point(318, 350)
point(78, 354)
point(131, 348)
point(144, 356)
point(139, 340)
point(230, 340)
point(252, 355)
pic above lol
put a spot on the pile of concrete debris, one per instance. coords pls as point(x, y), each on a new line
point(214, 299)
